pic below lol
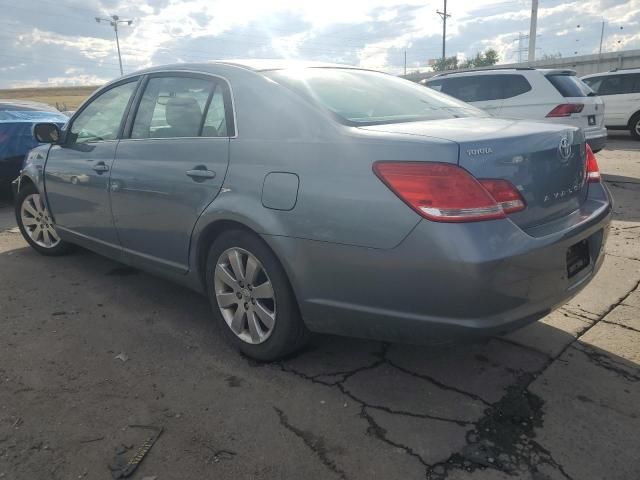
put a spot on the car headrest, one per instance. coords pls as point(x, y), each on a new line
point(184, 113)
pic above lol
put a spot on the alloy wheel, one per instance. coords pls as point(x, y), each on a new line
point(245, 295)
point(637, 128)
point(37, 222)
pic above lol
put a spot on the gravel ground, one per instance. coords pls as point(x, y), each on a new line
point(89, 349)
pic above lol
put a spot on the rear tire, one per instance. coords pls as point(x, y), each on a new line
point(36, 224)
point(634, 126)
point(252, 299)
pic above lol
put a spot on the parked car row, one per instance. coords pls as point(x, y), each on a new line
point(313, 197)
point(556, 96)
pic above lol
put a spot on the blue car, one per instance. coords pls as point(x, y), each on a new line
point(16, 137)
point(321, 198)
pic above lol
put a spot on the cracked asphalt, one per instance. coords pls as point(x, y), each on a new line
point(559, 399)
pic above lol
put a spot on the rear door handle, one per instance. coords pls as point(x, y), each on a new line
point(198, 174)
point(101, 167)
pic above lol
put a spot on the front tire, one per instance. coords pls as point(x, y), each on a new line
point(251, 297)
point(36, 224)
point(634, 126)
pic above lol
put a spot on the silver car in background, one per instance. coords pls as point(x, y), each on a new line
point(321, 198)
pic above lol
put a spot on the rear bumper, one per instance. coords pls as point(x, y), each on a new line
point(597, 140)
point(444, 281)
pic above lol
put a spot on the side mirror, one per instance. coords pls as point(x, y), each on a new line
point(46, 132)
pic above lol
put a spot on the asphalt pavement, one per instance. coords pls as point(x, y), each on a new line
point(91, 350)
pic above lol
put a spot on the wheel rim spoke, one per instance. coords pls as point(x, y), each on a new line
point(237, 323)
point(248, 310)
point(263, 291)
point(252, 269)
point(265, 317)
point(227, 299)
point(254, 328)
point(235, 260)
point(223, 274)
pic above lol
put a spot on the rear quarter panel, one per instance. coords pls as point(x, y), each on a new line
point(339, 198)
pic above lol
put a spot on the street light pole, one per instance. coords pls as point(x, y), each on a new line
point(114, 20)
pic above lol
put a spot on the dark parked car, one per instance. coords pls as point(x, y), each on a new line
point(322, 198)
point(16, 137)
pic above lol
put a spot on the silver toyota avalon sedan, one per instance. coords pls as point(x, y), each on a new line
point(321, 198)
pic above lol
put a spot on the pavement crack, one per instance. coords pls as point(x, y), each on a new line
point(605, 361)
point(381, 434)
point(439, 384)
point(315, 443)
point(627, 327)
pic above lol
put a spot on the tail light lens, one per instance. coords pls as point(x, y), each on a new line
point(565, 110)
point(505, 194)
point(448, 193)
point(593, 171)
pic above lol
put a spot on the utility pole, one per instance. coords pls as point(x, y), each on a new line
point(444, 15)
point(114, 20)
point(601, 37)
point(521, 48)
point(532, 30)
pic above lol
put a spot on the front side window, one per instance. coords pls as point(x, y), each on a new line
point(101, 119)
point(181, 106)
point(362, 97)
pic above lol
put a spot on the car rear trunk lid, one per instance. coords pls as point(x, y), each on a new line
point(545, 162)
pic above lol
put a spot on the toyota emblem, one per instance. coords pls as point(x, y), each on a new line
point(564, 149)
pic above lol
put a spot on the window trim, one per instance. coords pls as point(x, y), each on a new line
point(93, 97)
point(230, 113)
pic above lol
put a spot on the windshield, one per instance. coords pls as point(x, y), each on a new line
point(363, 97)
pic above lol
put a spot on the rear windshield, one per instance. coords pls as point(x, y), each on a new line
point(363, 97)
point(570, 85)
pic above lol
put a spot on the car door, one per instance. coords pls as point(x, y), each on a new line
point(76, 173)
point(170, 166)
point(619, 97)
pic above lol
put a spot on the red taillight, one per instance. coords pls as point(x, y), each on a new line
point(448, 193)
point(593, 171)
point(505, 194)
point(565, 110)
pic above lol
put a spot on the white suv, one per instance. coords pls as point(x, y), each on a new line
point(531, 94)
point(620, 90)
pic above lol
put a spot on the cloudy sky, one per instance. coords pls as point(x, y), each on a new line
point(58, 42)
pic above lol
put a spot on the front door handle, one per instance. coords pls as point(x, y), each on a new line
point(100, 167)
point(200, 174)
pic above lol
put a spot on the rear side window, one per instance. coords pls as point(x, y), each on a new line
point(482, 88)
point(181, 106)
point(616, 84)
point(569, 85)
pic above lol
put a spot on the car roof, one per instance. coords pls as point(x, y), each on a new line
point(615, 71)
point(13, 104)
point(544, 71)
point(258, 65)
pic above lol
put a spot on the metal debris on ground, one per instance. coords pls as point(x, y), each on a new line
point(123, 468)
point(121, 356)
